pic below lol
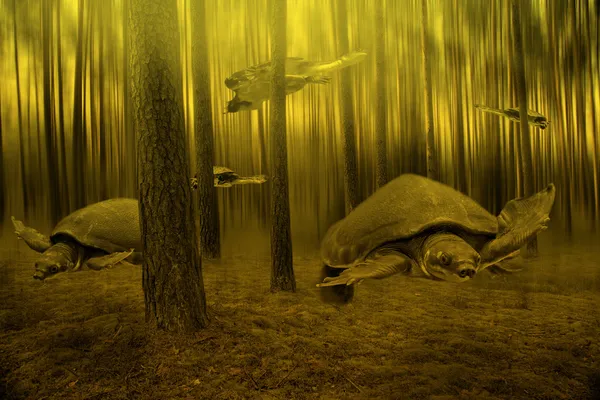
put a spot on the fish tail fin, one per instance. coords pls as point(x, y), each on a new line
point(338, 294)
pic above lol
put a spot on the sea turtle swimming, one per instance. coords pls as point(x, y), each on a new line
point(533, 117)
point(252, 86)
point(420, 227)
point(225, 177)
point(97, 236)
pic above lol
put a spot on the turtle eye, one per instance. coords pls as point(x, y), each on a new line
point(445, 259)
point(53, 269)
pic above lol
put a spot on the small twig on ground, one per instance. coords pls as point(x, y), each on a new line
point(285, 377)
point(353, 384)
point(253, 381)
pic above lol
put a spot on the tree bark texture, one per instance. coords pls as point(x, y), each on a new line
point(432, 164)
point(348, 133)
point(172, 270)
point(282, 269)
point(524, 139)
point(381, 117)
point(210, 241)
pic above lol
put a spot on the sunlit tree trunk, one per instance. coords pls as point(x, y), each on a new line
point(524, 139)
point(432, 164)
point(51, 156)
point(101, 99)
point(282, 270)
point(3, 192)
point(381, 116)
point(78, 150)
point(64, 182)
point(348, 133)
point(172, 268)
point(460, 168)
point(23, 155)
point(129, 131)
point(210, 243)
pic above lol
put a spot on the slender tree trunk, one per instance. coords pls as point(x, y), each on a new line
point(381, 172)
point(282, 270)
point(23, 154)
point(172, 268)
point(348, 133)
point(460, 168)
point(210, 243)
point(78, 150)
point(129, 131)
point(64, 183)
point(2, 188)
point(524, 139)
point(51, 157)
point(432, 160)
point(102, 132)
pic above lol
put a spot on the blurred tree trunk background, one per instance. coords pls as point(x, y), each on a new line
point(67, 126)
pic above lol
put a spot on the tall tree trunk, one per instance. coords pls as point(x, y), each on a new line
point(172, 268)
point(282, 269)
point(2, 188)
point(51, 157)
point(524, 139)
point(432, 160)
point(64, 182)
point(78, 150)
point(381, 172)
point(347, 113)
point(210, 242)
point(128, 127)
point(102, 132)
point(23, 154)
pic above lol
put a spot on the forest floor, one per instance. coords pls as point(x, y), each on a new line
point(532, 335)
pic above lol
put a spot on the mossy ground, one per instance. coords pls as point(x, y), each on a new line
point(532, 335)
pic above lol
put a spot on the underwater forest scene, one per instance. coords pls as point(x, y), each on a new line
point(300, 199)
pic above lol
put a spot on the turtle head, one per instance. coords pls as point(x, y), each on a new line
point(448, 257)
point(47, 267)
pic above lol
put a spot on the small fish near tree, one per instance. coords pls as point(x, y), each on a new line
point(172, 268)
point(534, 118)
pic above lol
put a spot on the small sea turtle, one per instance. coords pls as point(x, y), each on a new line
point(533, 117)
point(421, 227)
point(225, 177)
point(252, 86)
point(97, 236)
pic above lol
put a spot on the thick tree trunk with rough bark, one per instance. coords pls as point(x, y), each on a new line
point(282, 269)
point(210, 242)
point(381, 174)
point(432, 164)
point(348, 134)
point(172, 269)
point(524, 139)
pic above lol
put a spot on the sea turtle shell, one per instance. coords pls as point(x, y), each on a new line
point(111, 225)
point(221, 170)
point(403, 208)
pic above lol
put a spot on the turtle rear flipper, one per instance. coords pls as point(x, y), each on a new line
point(520, 220)
point(107, 261)
point(34, 239)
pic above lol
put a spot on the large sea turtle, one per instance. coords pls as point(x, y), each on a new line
point(252, 86)
point(97, 236)
point(225, 177)
point(421, 227)
point(533, 117)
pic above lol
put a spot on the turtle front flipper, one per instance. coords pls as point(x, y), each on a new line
point(379, 266)
point(243, 180)
point(520, 220)
point(107, 261)
point(34, 239)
